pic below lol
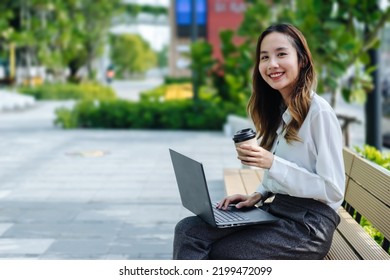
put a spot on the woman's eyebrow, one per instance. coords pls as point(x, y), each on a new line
point(277, 49)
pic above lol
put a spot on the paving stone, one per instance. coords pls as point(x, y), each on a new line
point(23, 246)
point(4, 227)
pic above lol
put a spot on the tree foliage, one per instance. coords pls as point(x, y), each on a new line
point(56, 33)
point(136, 9)
point(131, 54)
point(201, 60)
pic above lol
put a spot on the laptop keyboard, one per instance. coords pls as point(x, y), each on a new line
point(222, 216)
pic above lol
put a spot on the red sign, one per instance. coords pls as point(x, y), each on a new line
point(222, 15)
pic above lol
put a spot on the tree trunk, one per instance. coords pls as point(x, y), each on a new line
point(28, 76)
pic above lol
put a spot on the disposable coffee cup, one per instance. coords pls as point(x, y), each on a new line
point(245, 136)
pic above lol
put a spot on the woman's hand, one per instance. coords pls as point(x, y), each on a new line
point(255, 156)
point(240, 200)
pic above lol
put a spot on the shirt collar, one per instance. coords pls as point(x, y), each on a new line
point(287, 116)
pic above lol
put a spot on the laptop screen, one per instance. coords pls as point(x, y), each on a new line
point(192, 186)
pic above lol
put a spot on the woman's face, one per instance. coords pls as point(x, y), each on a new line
point(279, 63)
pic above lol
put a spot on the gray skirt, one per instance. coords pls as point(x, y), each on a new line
point(304, 231)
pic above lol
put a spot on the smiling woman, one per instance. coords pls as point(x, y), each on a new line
point(300, 152)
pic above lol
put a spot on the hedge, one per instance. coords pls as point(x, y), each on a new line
point(178, 114)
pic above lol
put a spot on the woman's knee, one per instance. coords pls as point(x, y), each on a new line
point(187, 224)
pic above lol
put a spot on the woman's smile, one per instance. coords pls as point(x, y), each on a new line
point(275, 76)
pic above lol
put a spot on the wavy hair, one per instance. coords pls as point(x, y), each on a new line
point(266, 104)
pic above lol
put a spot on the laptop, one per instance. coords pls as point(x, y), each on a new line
point(194, 194)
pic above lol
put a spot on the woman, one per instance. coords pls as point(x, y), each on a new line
point(301, 153)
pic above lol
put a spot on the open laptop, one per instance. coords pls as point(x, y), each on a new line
point(195, 196)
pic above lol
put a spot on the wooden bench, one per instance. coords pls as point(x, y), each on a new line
point(367, 194)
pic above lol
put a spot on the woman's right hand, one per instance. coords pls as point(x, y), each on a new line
point(240, 200)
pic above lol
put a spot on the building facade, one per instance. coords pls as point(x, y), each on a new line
point(212, 17)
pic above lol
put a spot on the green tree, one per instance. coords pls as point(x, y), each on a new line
point(28, 25)
point(83, 27)
point(97, 15)
point(58, 34)
point(201, 61)
point(162, 57)
point(237, 62)
point(131, 54)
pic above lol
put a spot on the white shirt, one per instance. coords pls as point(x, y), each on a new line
point(313, 167)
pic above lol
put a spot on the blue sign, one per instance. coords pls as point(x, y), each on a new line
point(184, 13)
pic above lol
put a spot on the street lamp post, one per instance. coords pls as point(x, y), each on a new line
point(373, 108)
point(194, 35)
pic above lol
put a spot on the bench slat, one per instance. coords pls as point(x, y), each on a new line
point(373, 178)
point(260, 174)
point(369, 207)
point(340, 249)
point(233, 182)
point(250, 179)
point(364, 245)
point(348, 156)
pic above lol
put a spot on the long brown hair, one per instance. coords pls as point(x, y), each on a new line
point(266, 104)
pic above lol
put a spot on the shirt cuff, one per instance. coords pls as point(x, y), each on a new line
point(279, 169)
point(264, 193)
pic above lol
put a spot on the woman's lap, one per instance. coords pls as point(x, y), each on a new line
point(299, 234)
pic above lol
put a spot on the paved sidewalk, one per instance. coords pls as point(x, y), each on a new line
point(94, 194)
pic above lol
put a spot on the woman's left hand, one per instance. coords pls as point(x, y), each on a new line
point(255, 156)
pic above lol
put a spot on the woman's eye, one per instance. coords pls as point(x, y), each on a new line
point(282, 54)
point(263, 58)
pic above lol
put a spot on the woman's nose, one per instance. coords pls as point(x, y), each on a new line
point(273, 63)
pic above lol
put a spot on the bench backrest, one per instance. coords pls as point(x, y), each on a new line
point(368, 190)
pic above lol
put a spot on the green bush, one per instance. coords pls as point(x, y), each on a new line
point(372, 154)
point(154, 95)
point(65, 118)
point(180, 114)
point(68, 91)
point(177, 80)
point(373, 232)
point(159, 93)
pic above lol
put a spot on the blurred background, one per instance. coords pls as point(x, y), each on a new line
point(133, 63)
point(93, 92)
